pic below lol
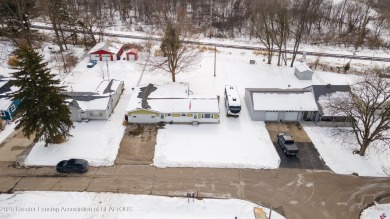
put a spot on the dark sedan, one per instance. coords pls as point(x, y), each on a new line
point(73, 166)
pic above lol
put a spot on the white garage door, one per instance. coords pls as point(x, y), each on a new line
point(291, 116)
point(95, 57)
point(143, 118)
point(106, 57)
point(271, 115)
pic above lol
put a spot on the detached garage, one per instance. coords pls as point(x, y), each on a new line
point(106, 51)
point(280, 104)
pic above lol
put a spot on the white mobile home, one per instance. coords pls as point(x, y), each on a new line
point(171, 103)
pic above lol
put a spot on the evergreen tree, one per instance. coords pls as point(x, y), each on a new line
point(42, 110)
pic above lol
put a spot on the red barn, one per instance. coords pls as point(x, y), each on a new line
point(106, 51)
point(133, 52)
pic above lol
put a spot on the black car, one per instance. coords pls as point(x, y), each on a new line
point(286, 142)
point(73, 166)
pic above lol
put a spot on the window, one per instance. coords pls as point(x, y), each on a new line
point(153, 117)
point(183, 114)
point(2, 113)
point(134, 116)
point(13, 107)
point(207, 116)
point(169, 114)
point(189, 114)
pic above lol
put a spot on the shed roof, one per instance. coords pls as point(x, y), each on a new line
point(107, 46)
point(302, 67)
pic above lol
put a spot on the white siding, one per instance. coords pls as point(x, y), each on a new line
point(291, 116)
point(271, 116)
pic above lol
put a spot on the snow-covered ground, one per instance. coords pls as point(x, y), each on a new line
point(337, 150)
point(378, 211)
point(110, 205)
point(235, 142)
point(95, 141)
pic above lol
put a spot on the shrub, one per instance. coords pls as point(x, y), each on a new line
point(13, 61)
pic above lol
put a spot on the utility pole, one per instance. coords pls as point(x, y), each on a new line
point(215, 60)
point(211, 18)
point(108, 72)
point(273, 193)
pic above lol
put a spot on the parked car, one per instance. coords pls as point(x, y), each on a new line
point(286, 142)
point(73, 166)
point(91, 63)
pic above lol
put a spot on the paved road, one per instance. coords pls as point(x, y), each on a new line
point(131, 36)
point(299, 193)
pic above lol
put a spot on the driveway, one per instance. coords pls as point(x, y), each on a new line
point(308, 157)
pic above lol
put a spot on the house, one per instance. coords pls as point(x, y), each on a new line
point(325, 117)
point(106, 51)
point(303, 72)
point(132, 52)
point(97, 105)
point(8, 105)
point(274, 104)
point(173, 103)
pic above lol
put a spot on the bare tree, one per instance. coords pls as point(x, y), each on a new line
point(178, 56)
point(265, 25)
point(368, 106)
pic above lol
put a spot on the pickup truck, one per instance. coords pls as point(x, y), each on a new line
point(286, 142)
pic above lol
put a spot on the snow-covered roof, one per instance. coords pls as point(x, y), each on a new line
point(107, 46)
point(171, 98)
point(95, 104)
point(284, 101)
point(324, 100)
point(5, 103)
point(188, 105)
point(132, 50)
point(108, 86)
point(302, 67)
point(170, 90)
point(95, 100)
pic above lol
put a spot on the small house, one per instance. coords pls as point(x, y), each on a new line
point(274, 104)
point(172, 103)
point(106, 51)
point(133, 52)
point(303, 72)
point(8, 105)
point(96, 105)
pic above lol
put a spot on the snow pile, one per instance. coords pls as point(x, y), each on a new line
point(376, 211)
point(336, 151)
point(110, 205)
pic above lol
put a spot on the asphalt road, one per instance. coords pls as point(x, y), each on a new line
point(322, 54)
point(299, 193)
point(308, 157)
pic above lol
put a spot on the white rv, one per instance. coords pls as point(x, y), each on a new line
point(232, 101)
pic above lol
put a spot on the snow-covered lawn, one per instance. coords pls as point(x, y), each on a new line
point(376, 211)
point(336, 151)
point(110, 205)
point(234, 143)
point(95, 141)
